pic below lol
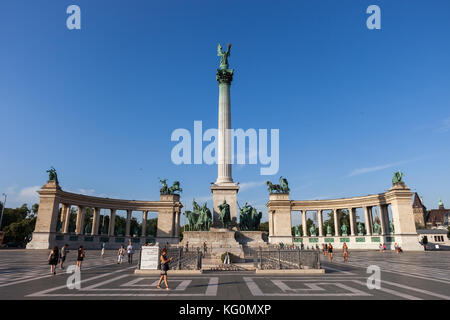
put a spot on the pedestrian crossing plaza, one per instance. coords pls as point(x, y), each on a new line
point(24, 274)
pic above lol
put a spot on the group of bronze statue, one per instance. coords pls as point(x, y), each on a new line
point(200, 219)
point(165, 189)
point(249, 218)
point(282, 187)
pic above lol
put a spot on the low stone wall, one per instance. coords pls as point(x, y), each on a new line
point(48, 240)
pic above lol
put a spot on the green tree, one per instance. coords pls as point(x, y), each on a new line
point(18, 224)
point(152, 227)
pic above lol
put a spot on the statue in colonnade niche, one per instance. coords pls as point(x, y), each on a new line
point(328, 230)
point(360, 229)
point(376, 228)
point(344, 229)
point(312, 231)
point(88, 228)
point(391, 227)
point(58, 226)
point(297, 231)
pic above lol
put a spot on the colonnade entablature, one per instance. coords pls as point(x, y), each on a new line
point(53, 217)
point(394, 220)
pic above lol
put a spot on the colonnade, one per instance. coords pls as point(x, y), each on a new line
point(368, 220)
point(52, 197)
point(80, 228)
point(398, 198)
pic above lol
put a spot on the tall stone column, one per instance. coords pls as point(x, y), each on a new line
point(320, 218)
point(95, 222)
point(144, 223)
point(367, 219)
point(66, 222)
point(112, 220)
point(177, 224)
point(128, 223)
point(305, 230)
point(352, 221)
point(224, 189)
point(382, 219)
point(336, 223)
point(80, 220)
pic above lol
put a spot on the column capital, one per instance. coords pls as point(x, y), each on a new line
point(224, 76)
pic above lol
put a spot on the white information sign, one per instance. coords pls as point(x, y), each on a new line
point(149, 257)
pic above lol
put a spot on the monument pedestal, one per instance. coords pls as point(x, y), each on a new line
point(217, 241)
point(227, 192)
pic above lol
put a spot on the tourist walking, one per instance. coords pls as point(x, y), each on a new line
point(103, 250)
point(164, 268)
point(384, 246)
point(120, 254)
point(187, 246)
point(63, 253)
point(381, 247)
point(345, 252)
point(325, 249)
point(53, 258)
point(205, 247)
point(130, 252)
point(80, 256)
point(330, 252)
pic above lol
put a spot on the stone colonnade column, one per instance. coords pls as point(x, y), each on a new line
point(112, 219)
point(95, 222)
point(352, 220)
point(319, 216)
point(128, 223)
point(177, 223)
point(305, 230)
point(144, 224)
point(80, 220)
point(383, 219)
point(336, 223)
point(65, 228)
point(367, 220)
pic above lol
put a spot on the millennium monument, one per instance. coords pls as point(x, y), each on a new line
point(58, 223)
point(224, 189)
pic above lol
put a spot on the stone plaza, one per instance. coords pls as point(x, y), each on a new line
point(24, 274)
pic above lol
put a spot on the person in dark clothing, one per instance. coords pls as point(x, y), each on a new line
point(164, 268)
point(80, 256)
point(53, 259)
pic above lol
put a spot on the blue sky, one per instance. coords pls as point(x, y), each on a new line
point(99, 104)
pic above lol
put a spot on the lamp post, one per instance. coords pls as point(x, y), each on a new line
point(3, 209)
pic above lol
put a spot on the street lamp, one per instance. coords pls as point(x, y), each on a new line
point(3, 209)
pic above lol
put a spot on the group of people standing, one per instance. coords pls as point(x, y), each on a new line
point(121, 253)
point(59, 256)
point(328, 249)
